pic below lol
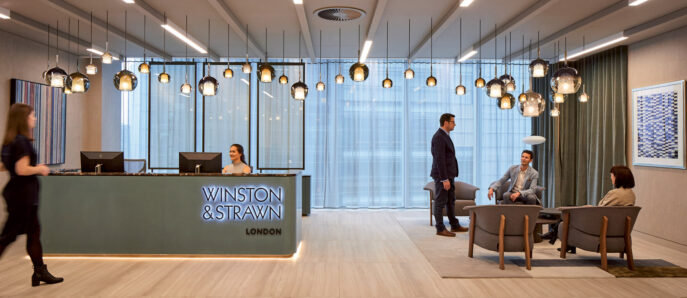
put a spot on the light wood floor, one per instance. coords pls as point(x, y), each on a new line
point(345, 253)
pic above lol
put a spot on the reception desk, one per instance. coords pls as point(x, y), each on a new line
point(171, 214)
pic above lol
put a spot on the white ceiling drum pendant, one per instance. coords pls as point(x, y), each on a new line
point(534, 140)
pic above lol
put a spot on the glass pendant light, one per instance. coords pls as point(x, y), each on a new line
point(522, 97)
point(186, 88)
point(246, 68)
point(91, 69)
point(228, 73)
point(555, 112)
point(283, 79)
point(409, 73)
point(208, 85)
point(125, 80)
point(45, 72)
point(460, 89)
point(265, 70)
point(163, 77)
point(584, 97)
point(566, 80)
point(539, 67)
point(320, 85)
point(107, 57)
point(387, 83)
point(299, 90)
point(506, 102)
point(144, 67)
point(339, 79)
point(480, 82)
point(558, 98)
point(533, 105)
point(358, 70)
point(78, 82)
point(495, 87)
point(56, 75)
point(431, 80)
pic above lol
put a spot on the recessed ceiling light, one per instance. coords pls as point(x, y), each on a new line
point(466, 3)
point(129, 1)
point(297, 1)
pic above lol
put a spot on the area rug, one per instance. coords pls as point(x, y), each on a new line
point(449, 258)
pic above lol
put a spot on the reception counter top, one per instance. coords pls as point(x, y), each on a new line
point(171, 214)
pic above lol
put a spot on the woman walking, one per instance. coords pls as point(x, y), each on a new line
point(21, 192)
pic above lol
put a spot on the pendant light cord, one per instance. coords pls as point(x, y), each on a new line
point(480, 48)
point(246, 42)
point(496, 41)
point(91, 40)
point(78, 36)
point(387, 49)
point(125, 28)
point(144, 38)
point(431, 53)
point(206, 58)
point(186, 51)
point(57, 43)
point(299, 55)
point(460, 51)
point(339, 50)
point(228, 38)
point(69, 45)
point(164, 44)
point(319, 64)
point(48, 47)
point(408, 60)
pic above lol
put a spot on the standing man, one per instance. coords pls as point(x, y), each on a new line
point(523, 181)
point(444, 170)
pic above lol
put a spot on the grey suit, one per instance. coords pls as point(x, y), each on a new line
point(527, 193)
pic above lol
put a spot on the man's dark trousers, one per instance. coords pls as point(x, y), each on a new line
point(444, 199)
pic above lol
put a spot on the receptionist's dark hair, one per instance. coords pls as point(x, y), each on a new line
point(239, 148)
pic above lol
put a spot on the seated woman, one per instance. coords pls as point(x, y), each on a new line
point(238, 161)
point(622, 195)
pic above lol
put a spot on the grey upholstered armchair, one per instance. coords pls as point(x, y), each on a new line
point(498, 193)
point(465, 196)
point(599, 229)
point(503, 228)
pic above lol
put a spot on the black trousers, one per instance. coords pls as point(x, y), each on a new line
point(444, 199)
point(23, 219)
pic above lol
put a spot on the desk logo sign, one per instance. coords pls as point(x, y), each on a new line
point(242, 203)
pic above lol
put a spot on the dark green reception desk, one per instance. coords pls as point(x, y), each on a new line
point(171, 214)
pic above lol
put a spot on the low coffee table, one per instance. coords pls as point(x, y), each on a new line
point(546, 216)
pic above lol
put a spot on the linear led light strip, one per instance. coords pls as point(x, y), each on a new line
point(4, 13)
point(464, 3)
point(637, 2)
point(171, 28)
point(615, 38)
point(366, 50)
point(468, 55)
point(93, 49)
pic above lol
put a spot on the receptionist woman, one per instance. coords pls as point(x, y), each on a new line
point(238, 161)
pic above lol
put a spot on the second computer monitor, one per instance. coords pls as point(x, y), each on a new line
point(205, 162)
point(102, 161)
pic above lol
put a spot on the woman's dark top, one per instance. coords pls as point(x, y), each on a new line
point(20, 189)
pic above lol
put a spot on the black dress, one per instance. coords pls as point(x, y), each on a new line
point(21, 192)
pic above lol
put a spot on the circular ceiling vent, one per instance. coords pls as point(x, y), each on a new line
point(339, 14)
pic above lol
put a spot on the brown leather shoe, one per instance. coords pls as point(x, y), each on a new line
point(446, 233)
point(459, 229)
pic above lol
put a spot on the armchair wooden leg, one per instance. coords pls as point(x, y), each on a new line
point(602, 241)
point(621, 255)
point(472, 233)
point(502, 229)
point(628, 243)
point(527, 242)
point(564, 238)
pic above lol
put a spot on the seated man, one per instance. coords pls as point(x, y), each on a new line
point(523, 180)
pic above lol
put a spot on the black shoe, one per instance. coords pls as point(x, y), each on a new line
point(548, 235)
point(40, 273)
point(571, 249)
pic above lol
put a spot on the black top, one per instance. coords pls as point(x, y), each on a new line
point(20, 188)
point(444, 163)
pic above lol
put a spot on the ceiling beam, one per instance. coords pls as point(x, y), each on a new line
point(223, 10)
point(655, 22)
point(85, 16)
point(443, 24)
point(520, 18)
point(159, 18)
point(376, 19)
point(585, 21)
point(305, 28)
point(40, 27)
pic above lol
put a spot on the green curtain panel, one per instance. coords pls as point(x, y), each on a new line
point(587, 139)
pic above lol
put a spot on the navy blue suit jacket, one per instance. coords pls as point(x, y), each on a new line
point(444, 163)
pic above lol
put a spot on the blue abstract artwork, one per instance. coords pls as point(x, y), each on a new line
point(658, 125)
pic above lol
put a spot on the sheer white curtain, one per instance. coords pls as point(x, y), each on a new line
point(367, 146)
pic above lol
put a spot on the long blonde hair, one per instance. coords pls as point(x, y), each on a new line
point(18, 123)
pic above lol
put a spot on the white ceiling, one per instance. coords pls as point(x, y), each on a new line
point(278, 15)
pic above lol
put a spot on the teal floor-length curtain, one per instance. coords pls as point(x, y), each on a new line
point(588, 138)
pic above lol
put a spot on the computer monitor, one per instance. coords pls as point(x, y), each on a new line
point(102, 161)
point(205, 162)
